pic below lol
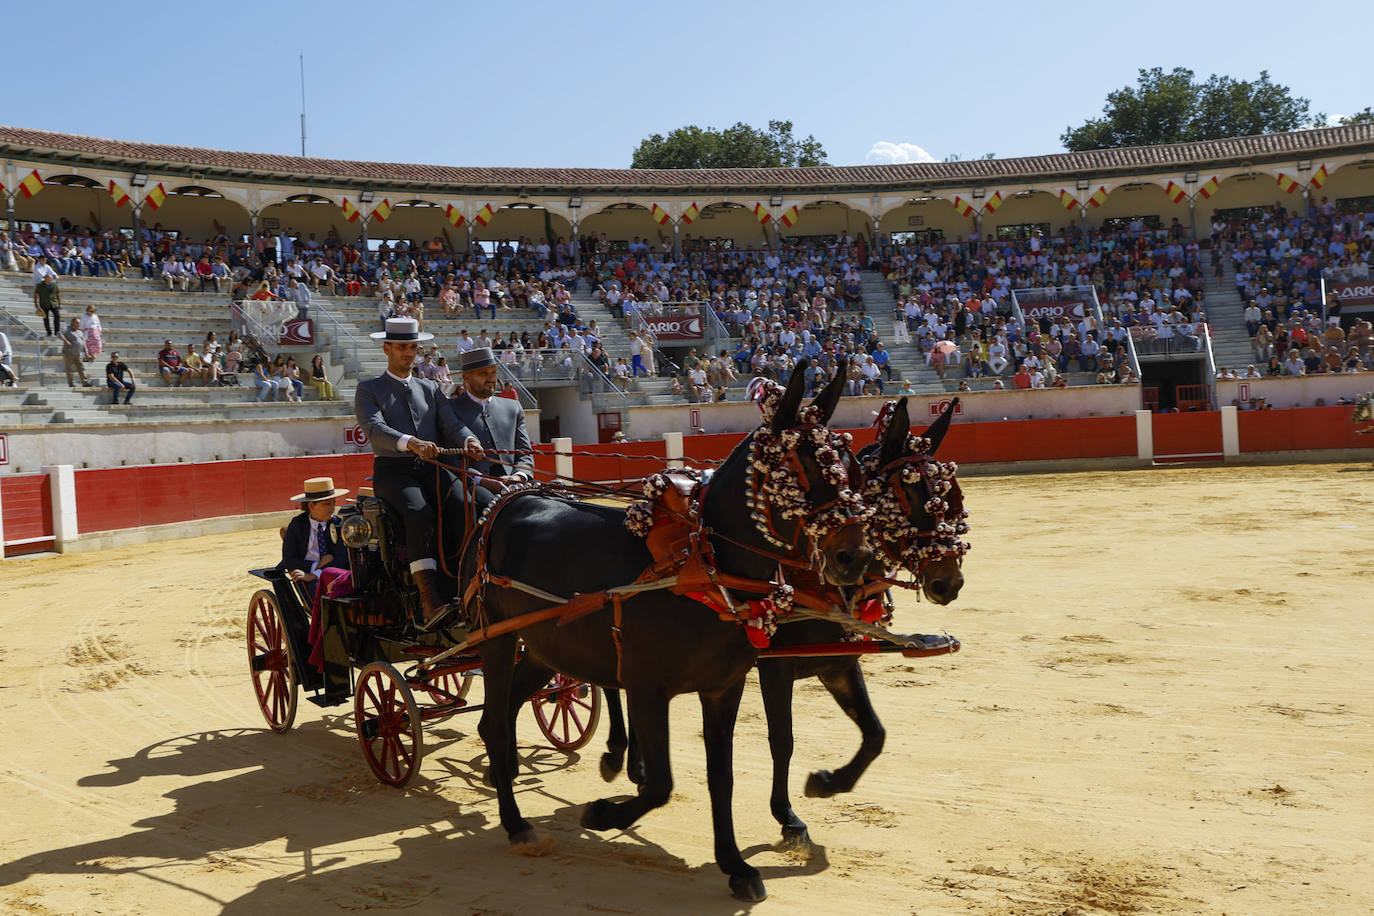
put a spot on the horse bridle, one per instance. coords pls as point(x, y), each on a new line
point(886, 490)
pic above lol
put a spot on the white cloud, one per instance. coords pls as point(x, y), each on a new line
point(1334, 120)
point(885, 152)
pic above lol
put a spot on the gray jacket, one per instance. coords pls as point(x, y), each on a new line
point(503, 430)
point(388, 410)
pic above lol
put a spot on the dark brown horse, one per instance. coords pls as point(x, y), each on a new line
point(908, 534)
point(662, 645)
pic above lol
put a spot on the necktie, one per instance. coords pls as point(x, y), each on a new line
point(491, 439)
point(320, 540)
point(410, 396)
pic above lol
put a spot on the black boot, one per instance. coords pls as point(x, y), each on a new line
point(435, 611)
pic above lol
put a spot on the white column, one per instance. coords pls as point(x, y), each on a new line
point(562, 457)
point(672, 446)
point(2, 525)
point(1230, 432)
point(1144, 435)
point(62, 483)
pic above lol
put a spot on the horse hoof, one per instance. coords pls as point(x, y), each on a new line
point(597, 815)
point(819, 784)
point(610, 767)
point(794, 838)
point(748, 887)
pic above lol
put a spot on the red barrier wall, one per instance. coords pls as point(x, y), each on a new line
point(1299, 428)
point(27, 502)
point(592, 462)
point(1187, 433)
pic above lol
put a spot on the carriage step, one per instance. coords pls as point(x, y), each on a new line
point(324, 700)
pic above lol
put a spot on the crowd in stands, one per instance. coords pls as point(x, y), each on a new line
point(1280, 259)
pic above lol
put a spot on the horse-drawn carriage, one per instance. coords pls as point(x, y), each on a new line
point(678, 593)
point(365, 647)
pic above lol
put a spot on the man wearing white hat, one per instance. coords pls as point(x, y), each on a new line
point(404, 417)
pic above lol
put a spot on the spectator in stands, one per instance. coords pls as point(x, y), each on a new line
point(299, 293)
point(637, 355)
point(319, 379)
point(284, 371)
point(196, 366)
point(119, 377)
point(481, 299)
point(47, 299)
point(169, 365)
point(74, 352)
point(90, 326)
point(264, 381)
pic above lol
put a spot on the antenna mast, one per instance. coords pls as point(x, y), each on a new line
point(302, 104)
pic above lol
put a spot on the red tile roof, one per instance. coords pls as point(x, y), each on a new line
point(20, 142)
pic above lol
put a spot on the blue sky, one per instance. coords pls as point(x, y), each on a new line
point(580, 84)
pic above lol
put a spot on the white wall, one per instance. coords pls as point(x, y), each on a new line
point(111, 446)
point(741, 417)
point(1301, 391)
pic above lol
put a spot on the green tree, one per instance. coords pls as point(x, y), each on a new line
point(1174, 108)
point(736, 147)
point(1359, 117)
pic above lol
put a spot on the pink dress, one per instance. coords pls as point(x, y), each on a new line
point(90, 324)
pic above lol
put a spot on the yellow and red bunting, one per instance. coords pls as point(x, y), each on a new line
point(382, 211)
point(454, 217)
point(1210, 188)
point(1099, 197)
point(1318, 178)
point(118, 194)
point(32, 184)
point(963, 207)
point(484, 215)
point(762, 215)
point(993, 202)
point(659, 214)
point(1067, 200)
point(155, 197)
point(690, 213)
point(1288, 184)
point(790, 216)
point(1175, 193)
point(350, 212)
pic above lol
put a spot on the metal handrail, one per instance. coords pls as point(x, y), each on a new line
point(338, 327)
point(606, 383)
point(25, 333)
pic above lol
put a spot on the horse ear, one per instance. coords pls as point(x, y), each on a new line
point(936, 433)
point(898, 431)
point(785, 417)
point(829, 398)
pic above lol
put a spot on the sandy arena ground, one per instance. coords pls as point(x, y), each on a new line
point(1163, 705)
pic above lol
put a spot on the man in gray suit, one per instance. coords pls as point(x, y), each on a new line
point(404, 417)
point(498, 423)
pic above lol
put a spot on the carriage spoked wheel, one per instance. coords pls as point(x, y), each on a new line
point(271, 662)
point(567, 712)
point(388, 723)
point(447, 687)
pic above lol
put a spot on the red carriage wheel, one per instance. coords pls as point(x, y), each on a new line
point(567, 712)
point(271, 662)
point(448, 686)
point(388, 723)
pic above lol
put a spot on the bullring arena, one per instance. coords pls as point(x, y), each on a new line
point(1160, 703)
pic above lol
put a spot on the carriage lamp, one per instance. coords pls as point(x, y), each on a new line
point(355, 532)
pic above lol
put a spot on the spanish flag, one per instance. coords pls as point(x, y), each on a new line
point(1318, 178)
point(1175, 193)
point(790, 216)
point(454, 217)
point(155, 197)
point(484, 215)
point(1288, 184)
point(351, 213)
point(118, 195)
point(1209, 189)
point(690, 213)
point(659, 214)
point(993, 202)
point(382, 210)
point(762, 215)
point(1067, 200)
point(1099, 196)
point(962, 206)
point(32, 184)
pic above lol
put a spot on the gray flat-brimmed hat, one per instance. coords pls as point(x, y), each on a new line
point(478, 358)
point(402, 330)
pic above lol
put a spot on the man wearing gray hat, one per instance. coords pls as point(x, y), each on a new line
point(404, 417)
point(499, 423)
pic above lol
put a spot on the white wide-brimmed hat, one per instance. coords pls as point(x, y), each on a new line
point(317, 489)
point(402, 330)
